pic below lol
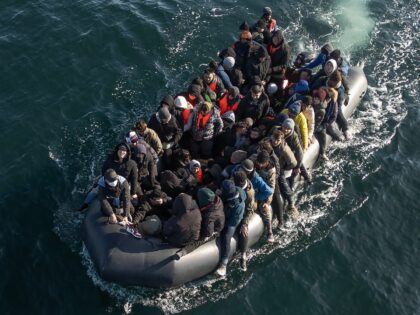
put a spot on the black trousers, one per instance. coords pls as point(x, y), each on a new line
point(285, 190)
point(202, 149)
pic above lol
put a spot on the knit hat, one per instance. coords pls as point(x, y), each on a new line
point(327, 49)
point(240, 178)
point(294, 108)
point(131, 137)
point(244, 26)
point(228, 63)
point(229, 115)
point(249, 122)
point(263, 157)
point(229, 191)
point(260, 24)
point(238, 156)
point(205, 196)
point(164, 113)
point(272, 88)
point(330, 66)
point(247, 165)
point(301, 86)
point(195, 90)
point(167, 100)
point(267, 11)
point(288, 124)
point(181, 102)
point(111, 177)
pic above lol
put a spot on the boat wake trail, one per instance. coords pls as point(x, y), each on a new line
point(351, 27)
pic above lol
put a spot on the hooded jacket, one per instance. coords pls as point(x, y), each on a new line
point(287, 159)
point(146, 165)
point(213, 218)
point(234, 209)
point(250, 203)
point(280, 54)
point(106, 192)
point(185, 223)
point(170, 132)
point(146, 208)
point(152, 138)
point(255, 67)
point(126, 168)
point(255, 109)
point(302, 124)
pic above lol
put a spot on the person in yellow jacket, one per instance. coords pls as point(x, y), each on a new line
point(294, 113)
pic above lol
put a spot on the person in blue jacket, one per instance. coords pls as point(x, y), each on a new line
point(234, 205)
point(322, 58)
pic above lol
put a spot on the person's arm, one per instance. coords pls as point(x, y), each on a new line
point(105, 205)
point(316, 62)
point(303, 126)
point(125, 197)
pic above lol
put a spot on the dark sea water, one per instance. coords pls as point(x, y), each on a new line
point(77, 74)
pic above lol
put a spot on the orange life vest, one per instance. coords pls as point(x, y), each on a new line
point(271, 25)
point(185, 115)
point(224, 104)
point(213, 85)
point(202, 120)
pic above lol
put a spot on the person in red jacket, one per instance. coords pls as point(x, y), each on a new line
point(230, 100)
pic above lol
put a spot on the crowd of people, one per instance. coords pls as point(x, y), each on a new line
point(215, 154)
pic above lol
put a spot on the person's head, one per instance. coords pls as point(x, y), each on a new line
point(288, 126)
point(205, 108)
point(277, 38)
point(229, 191)
point(335, 54)
point(131, 138)
point(122, 152)
point(111, 177)
point(294, 109)
point(205, 197)
point(241, 127)
point(330, 66)
point(233, 93)
point(267, 12)
point(254, 134)
point(260, 26)
point(228, 63)
point(228, 118)
point(195, 166)
point(164, 115)
point(301, 87)
point(244, 26)
point(245, 36)
point(156, 197)
point(240, 179)
point(265, 146)
point(181, 102)
point(327, 49)
point(238, 156)
point(256, 91)
point(306, 102)
point(276, 138)
point(323, 93)
point(213, 65)
point(260, 54)
point(194, 91)
point(208, 76)
point(334, 80)
point(140, 127)
point(247, 166)
point(263, 159)
point(305, 74)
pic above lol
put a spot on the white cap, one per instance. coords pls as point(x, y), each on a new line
point(272, 88)
point(228, 63)
point(181, 102)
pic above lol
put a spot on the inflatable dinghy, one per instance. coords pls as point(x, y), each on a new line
point(121, 258)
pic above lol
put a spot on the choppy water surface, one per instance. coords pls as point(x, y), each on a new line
point(77, 75)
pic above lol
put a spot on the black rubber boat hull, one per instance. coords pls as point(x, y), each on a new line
point(120, 258)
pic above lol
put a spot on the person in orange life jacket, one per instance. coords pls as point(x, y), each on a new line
point(113, 190)
point(193, 95)
point(213, 83)
point(182, 110)
point(298, 91)
point(230, 100)
point(271, 24)
point(223, 69)
point(205, 124)
point(254, 105)
point(259, 64)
